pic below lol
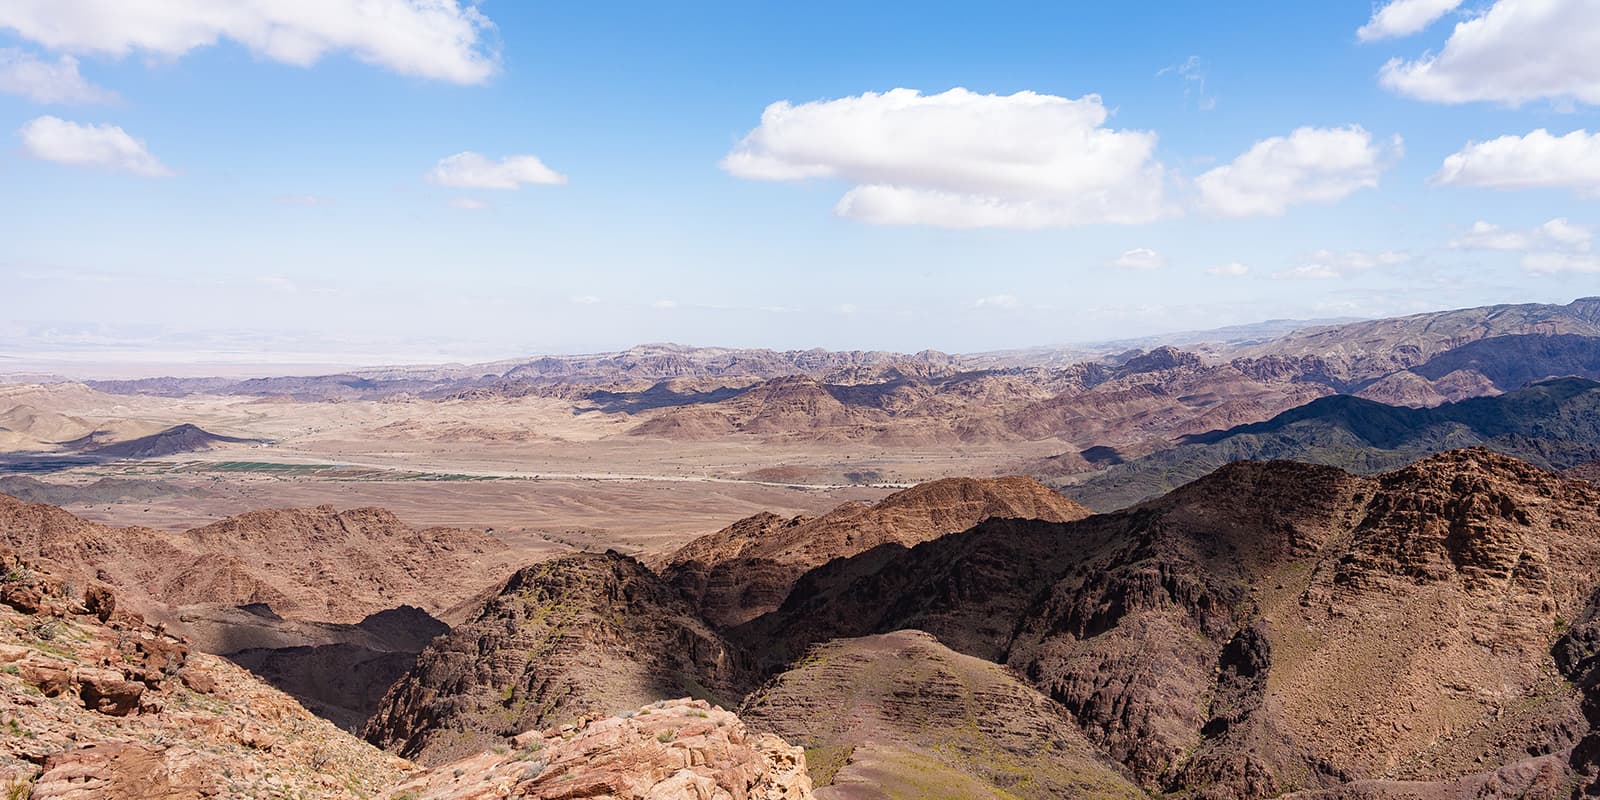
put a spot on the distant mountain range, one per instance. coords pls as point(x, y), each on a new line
point(1351, 353)
point(1554, 424)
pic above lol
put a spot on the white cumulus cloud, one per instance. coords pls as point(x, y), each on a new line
point(1537, 160)
point(436, 39)
point(1229, 270)
point(1310, 165)
point(1517, 51)
point(23, 73)
point(960, 159)
point(108, 146)
point(471, 170)
point(1139, 258)
point(1403, 18)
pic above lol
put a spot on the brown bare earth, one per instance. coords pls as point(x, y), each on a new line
point(897, 714)
point(726, 433)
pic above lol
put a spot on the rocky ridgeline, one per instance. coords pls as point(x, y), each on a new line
point(670, 749)
point(95, 703)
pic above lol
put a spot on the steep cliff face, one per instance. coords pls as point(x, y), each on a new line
point(575, 637)
point(1274, 627)
point(748, 568)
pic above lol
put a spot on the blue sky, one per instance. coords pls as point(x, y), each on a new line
point(278, 200)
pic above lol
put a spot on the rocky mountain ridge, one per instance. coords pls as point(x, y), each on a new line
point(748, 568)
point(1273, 627)
point(98, 703)
point(576, 637)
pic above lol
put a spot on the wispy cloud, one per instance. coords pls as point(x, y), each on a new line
point(1139, 258)
point(471, 170)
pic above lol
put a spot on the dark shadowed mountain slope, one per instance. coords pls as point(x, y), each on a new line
point(1276, 627)
point(1362, 352)
point(578, 636)
point(746, 569)
point(1554, 424)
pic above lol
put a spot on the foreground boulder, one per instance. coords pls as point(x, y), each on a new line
point(686, 749)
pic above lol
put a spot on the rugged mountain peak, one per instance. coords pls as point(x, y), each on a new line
point(1488, 520)
point(570, 638)
point(747, 569)
point(670, 749)
point(1159, 359)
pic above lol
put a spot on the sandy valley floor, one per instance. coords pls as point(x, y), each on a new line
point(539, 472)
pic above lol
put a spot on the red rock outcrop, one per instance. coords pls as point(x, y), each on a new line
point(670, 749)
point(96, 703)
